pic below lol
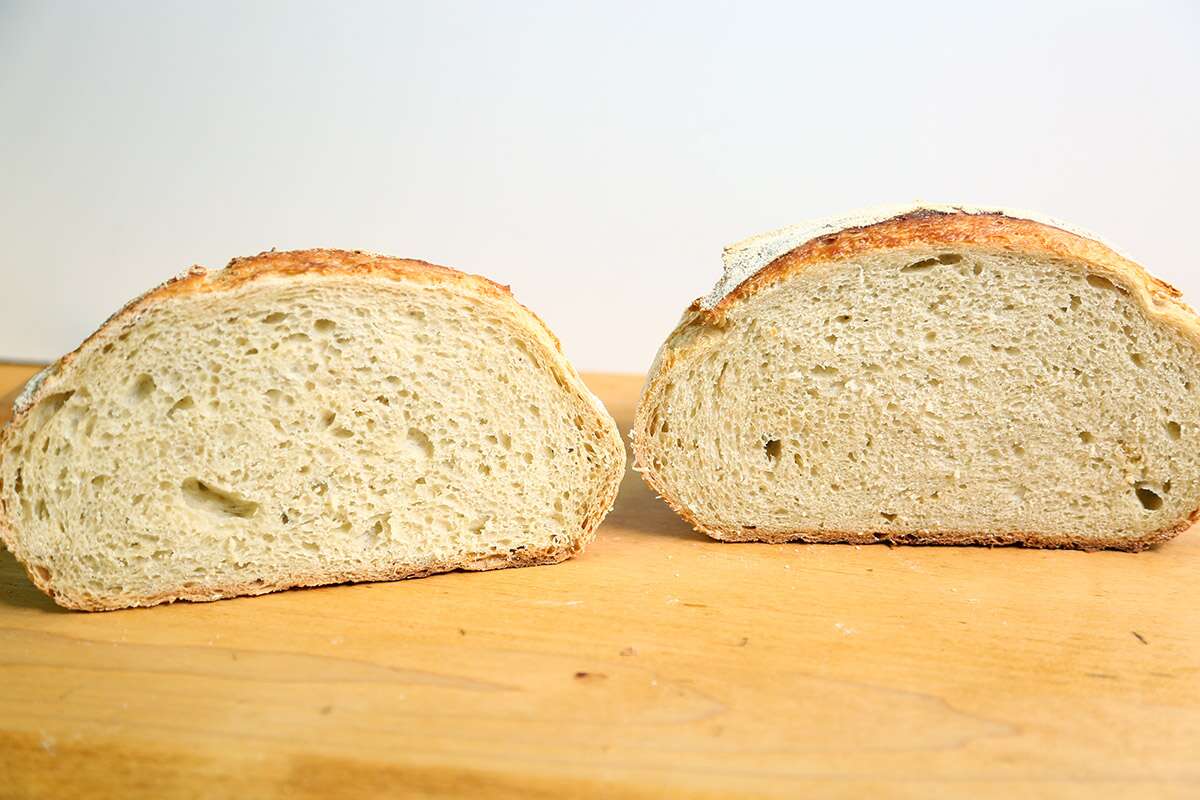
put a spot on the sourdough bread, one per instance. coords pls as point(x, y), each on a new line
point(929, 375)
point(298, 419)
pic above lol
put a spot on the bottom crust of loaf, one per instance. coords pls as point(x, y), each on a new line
point(521, 558)
point(980, 538)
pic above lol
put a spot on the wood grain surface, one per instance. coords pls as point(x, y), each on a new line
point(657, 664)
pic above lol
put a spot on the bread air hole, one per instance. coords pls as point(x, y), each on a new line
point(182, 404)
point(1150, 499)
point(773, 448)
point(822, 372)
point(52, 404)
point(419, 444)
point(929, 263)
point(275, 317)
point(1173, 429)
point(143, 387)
point(324, 325)
point(921, 266)
point(1097, 282)
point(200, 495)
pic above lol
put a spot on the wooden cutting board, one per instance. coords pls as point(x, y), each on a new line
point(659, 663)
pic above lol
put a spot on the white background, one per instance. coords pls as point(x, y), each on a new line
point(594, 156)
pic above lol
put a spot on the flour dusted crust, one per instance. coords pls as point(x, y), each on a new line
point(762, 260)
point(287, 266)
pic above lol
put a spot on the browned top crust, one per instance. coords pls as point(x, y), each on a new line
point(272, 263)
point(348, 262)
point(990, 231)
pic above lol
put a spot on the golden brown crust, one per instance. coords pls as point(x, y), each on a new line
point(990, 232)
point(242, 271)
point(343, 263)
point(994, 232)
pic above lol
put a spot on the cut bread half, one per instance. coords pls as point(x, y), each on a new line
point(929, 375)
point(299, 419)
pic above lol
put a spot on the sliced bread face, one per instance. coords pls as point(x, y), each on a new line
point(940, 376)
point(300, 419)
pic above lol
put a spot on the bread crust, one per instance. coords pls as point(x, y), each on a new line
point(521, 558)
point(299, 264)
point(990, 231)
point(984, 231)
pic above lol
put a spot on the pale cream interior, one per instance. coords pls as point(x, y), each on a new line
point(304, 430)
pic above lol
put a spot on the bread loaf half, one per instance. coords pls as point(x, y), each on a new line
point(298, 419)
point(929, 375)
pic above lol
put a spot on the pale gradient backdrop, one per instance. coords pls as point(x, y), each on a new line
point(594, 156)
